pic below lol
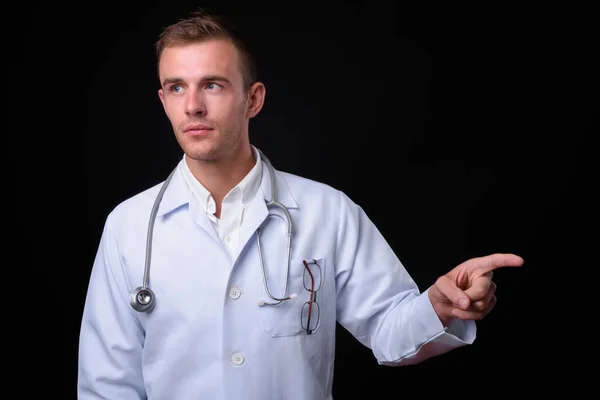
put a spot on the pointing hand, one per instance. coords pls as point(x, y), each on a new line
point(467, 292)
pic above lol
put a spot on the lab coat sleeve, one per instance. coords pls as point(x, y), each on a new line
point(111, 337)
point(379, 302)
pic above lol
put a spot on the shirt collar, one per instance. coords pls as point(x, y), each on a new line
point(178, 193)
point(251, 182)
point(248, 186)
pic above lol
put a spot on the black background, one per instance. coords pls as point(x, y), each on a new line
point(460, 130)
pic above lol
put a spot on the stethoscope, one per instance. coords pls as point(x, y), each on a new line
point(142, 298)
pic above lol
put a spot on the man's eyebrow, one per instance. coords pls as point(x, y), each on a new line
point(171, 81)
point(208, 78)
point(216, 78)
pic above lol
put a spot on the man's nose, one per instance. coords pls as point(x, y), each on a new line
point(195, 104)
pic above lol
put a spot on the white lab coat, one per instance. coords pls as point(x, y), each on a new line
point(204, 340)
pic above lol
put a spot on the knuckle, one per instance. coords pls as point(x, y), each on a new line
point(480, 293)
point(479, 306)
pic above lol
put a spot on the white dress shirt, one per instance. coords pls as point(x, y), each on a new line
point(234, 204)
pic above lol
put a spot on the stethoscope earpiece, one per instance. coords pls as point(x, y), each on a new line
point(142, 299)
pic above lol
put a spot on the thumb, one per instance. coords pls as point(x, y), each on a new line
point(455, 295)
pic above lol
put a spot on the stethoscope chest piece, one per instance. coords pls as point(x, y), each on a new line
point(142, 299)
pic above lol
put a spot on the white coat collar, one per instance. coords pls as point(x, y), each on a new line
point(178, 194)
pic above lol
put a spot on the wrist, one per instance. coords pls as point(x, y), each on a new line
point(441, 308)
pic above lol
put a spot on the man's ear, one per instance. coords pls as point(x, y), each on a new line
point(256, 96)
point(161, 96)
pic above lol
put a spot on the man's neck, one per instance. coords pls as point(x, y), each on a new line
point(221, 176)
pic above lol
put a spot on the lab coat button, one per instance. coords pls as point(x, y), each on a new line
point(237, 359)
point(227, 239)
point(235, 293)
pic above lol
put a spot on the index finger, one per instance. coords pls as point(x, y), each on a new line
point(492, 262)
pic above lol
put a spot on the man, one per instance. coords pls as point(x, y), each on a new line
point(230, 311)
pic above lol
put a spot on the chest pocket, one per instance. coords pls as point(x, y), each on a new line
point(301, 314)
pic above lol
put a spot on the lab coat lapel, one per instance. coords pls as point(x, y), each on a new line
point(178, 194)
point(257, 211)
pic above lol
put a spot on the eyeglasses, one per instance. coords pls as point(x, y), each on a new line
point(311, 312)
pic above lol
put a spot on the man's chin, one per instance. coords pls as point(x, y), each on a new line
point(201, 154)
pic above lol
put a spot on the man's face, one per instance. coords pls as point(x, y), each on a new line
point(203, 96)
